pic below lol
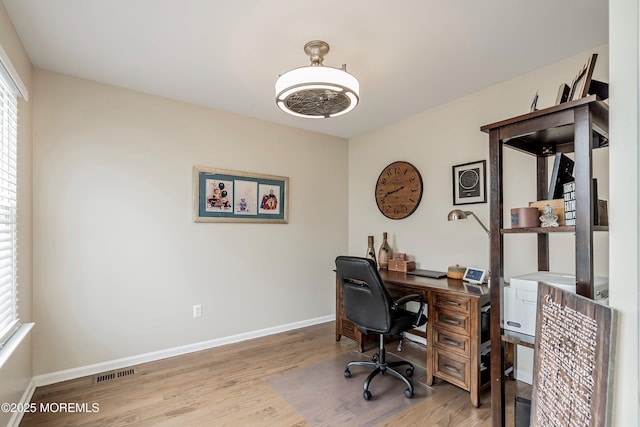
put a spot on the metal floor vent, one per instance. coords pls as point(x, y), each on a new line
point(114, 375)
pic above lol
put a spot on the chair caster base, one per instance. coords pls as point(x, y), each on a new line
point(382, 367)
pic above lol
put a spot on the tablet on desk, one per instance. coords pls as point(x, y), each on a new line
point(428, 273)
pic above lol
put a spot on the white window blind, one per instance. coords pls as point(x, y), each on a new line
point(9, 321)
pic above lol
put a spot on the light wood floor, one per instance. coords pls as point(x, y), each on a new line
point(228, 386)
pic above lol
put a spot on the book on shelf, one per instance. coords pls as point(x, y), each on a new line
point(569, 196)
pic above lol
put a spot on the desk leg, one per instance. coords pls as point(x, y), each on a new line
point(474, 360)
point(475, 395)
point(429, 364)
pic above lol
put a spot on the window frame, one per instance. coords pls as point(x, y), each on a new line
point(12, 330)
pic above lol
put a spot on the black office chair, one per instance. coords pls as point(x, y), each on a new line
point(368, 305)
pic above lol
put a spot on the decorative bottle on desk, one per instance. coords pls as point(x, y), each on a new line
point(385, 253)
point(371, 252)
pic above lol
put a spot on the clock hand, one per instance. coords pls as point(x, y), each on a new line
point(394, 191)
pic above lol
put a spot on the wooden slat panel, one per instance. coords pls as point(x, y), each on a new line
point(572, 370)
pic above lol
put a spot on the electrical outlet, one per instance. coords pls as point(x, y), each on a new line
point(197, 310)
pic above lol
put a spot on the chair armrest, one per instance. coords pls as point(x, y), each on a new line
point(413, 297)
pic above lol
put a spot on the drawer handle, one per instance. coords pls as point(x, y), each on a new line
point(448, 302)
point(452, 342)
point(451, 368)
point(451, 321)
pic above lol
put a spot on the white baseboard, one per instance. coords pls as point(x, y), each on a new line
point(83, 371)
point(16, 418)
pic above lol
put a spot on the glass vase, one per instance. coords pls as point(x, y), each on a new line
point(385, 253)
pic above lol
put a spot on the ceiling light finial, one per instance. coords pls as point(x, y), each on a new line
point(316, 50)
point(317, 91)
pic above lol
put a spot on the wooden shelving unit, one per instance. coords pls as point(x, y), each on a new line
point(579, 127)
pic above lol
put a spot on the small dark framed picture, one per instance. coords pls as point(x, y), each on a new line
point(470, 183)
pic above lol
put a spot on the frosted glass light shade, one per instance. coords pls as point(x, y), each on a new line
point(317, 91)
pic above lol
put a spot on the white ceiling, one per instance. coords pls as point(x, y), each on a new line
point(409, 55)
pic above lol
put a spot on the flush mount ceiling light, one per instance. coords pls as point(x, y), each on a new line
point(317, 91)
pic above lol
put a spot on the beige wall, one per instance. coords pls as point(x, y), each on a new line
point(437, 139)
point(119, 260)
point(16, 374)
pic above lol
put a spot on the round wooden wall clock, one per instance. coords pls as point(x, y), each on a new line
point(398, 190)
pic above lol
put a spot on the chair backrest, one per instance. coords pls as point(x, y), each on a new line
point(366, 301)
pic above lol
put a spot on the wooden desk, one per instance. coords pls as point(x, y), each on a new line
point(453, 330)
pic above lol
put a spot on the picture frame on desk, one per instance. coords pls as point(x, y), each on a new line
point(222, 195)
point(470, 183)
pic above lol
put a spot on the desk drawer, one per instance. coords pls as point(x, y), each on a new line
point(450, 301)
point(452, 368)
point(451, 342)
point(452, 321)
point(348, 329)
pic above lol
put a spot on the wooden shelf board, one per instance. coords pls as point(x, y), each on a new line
point(519, 339)
point(544, 230)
